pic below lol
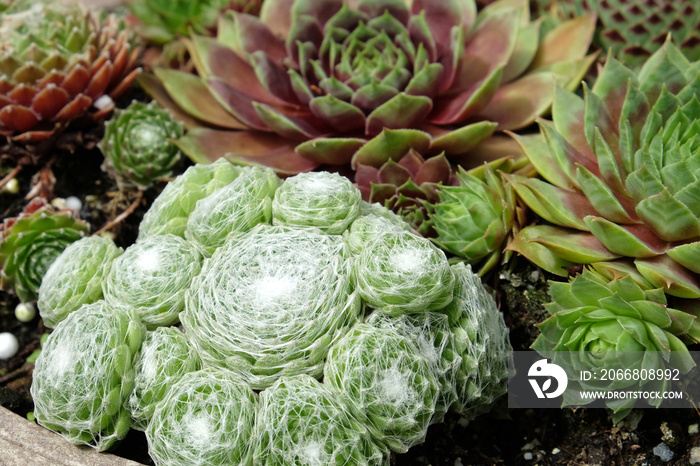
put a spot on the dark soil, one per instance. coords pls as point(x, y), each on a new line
point(509, 437)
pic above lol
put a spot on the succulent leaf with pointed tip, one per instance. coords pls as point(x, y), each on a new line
point(137, 146)
point(623, 174)
point(30, 242)
point(335, 82)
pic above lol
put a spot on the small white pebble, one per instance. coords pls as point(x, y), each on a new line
point(74, 203)
point(458, 462)
point(58, 203)
point(663, 452)
point(693, 429)
point(25, 312)
point(556, 451)
point(103, 102)
point(695, 455)
point(463, 422)
point(527, 456)
point(12, 187)
point(8, 345)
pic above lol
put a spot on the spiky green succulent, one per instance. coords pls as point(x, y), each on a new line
point(634, 30)
point(324, 200)
point(622, 169)
point(75, 278)
point(151, 278)
point(402, 273)
point(481, 340)
point(608, 324)
point(56, 61)
point(30, 242)
point(162, 21)
point(206, 417)
point(171, 209)
point(137, 144)
point(407, 186)
point(389, 381)
point(301, 421)
point(270, 303)
point(164, 358)
point(234, 209)
point(337, 82)
point(85, 373)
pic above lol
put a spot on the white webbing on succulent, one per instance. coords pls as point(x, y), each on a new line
point(317, 199)
point(302, 422)
point(152, 277)
point(235, 208)
point(270, 303)
point(481, 339)
point(165, 357)
point(205, 419)
point(403, 273)
point(369, 227)
point(85, 373)
point(430, 333)
point(75, 278)
point(389, 382)
point(170, 210)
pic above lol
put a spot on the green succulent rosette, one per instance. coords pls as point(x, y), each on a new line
point(622, 171)
point(596, 323)
point(151, 277)
point(430, 332)
point(474, 219)
point(324, 200)
point(390, 384)
point(271, 302)
point(165, 357)
point(402, 273)
point(371, 226)
point(85, 373)
point(481, 340)
point(301, 421)
point(171, 209)
point(138, 145)
point(75, 278)
point(234, 209)
point(206, 417)
point(30, 242)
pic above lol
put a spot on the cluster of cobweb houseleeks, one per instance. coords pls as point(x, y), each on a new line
point(315, 328)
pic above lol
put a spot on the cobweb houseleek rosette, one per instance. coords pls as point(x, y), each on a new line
point(171, 209)
point(324, 200)
point(75, 278)
point(390, 384)
point(622, 171)
point(301, 421)
point(371, 226)
point(233, 209)
point(137, 144)
point(271, 302)
point(165, 357)
point(151, 277)
point(599, 323)
point(206, 418)
point(30, 242)
point(84, 374)
point(402, 273)
point(430, 332)
point(481, 339)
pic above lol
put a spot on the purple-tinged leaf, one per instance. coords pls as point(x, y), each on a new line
point(461, 140)
point(569, 41)
point(391, 144)
point(393, 174)
point(246, 34)
point(526, 244)
point(277, 16)
point(401, 111)
point(330, 151)
point(340, 115)
point(442, 16)
point(293, 126)
point(664, 272)
point(273, 78)
point(451, 109)
point(626, 240)
point(237, 103)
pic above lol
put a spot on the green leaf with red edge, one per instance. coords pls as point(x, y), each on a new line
point(526, 46)
point(391, 144)
point(204, 145)
point(381, 192)
point(664, 272)
point(612, 85)
point(568, 111)
point(442, 16)
point(626, 240)
point(601, 197)
point(517, 104)
point(245, 33)
point(435, 169)
point(394, 174)
point(450, 109)
point(340, 115)
point(187, 96)
point(461, 140)
point(670, 219)
point(688, 255)
point(401, 111)
point(569, 41)
point(277, 16)
point(525, 243)
point(573, 246)
point(330, 151)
